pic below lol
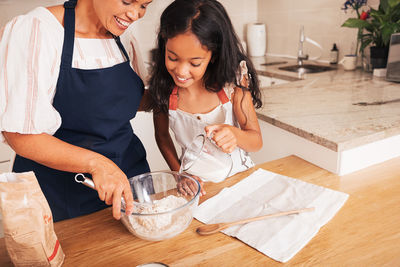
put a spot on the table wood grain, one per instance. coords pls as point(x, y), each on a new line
point(365, 232)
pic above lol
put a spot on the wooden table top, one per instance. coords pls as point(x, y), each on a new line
point(365, 232)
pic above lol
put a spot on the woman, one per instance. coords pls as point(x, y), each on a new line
point(68, 92)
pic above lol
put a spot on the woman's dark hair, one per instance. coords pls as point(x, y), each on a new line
point(209, 21)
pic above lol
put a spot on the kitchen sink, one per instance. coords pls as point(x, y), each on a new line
point(307, 68)
point(274, 63)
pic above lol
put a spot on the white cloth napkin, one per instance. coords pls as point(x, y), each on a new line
point(265, 192)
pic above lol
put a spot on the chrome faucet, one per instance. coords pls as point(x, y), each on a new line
point(300, 55)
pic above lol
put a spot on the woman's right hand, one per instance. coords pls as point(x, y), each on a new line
point(111, 184)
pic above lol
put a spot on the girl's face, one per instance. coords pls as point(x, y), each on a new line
point(186, 59)
point(117, 15)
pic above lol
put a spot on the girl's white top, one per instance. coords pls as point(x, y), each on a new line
point(30, 57)
point(186, 126)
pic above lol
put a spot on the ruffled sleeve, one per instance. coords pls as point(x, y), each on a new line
point(135, 54)
point(29, 67)
point(241, 78)
point(242, 75)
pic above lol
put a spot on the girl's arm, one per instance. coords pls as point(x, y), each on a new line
point(164, 140)
point(110, 182)
point(248, 137)
point(145, 101)
point(166, 145)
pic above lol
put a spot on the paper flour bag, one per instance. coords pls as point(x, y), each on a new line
point(27, 220)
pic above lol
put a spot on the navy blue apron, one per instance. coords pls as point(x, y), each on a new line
point(95, 107)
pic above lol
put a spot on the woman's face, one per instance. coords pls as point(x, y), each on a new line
point(117, 15)
point(186, 60)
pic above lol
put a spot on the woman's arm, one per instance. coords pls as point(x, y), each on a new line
point(248, 137)
point(164, 140)
point(110, 182)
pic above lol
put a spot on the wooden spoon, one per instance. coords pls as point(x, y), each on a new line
point(209, 229)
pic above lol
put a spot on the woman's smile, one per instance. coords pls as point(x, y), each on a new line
point(123, 24)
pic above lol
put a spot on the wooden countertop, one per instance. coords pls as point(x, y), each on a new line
point(365, 232)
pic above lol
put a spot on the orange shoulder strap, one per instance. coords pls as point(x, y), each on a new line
point(173, 99)
point(222, 96)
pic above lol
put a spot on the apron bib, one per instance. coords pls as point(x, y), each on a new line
point(96, 107)
point(187, 126)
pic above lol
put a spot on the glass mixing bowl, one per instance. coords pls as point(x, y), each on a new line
point(163, 206)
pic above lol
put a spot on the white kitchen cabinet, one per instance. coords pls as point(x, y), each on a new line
point(6, 157)
point(279, 143)
point(5, 166)
point(5, 152)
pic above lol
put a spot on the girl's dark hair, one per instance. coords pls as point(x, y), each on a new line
point(209, 21)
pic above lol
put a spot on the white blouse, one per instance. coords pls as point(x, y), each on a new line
point(30, 58)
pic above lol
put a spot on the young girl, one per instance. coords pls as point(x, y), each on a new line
point(202, 81)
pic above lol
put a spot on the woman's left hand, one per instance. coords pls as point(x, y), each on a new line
point(223, 135)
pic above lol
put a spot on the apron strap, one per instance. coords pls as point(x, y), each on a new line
point(222, 96)
point(121, 47)
point(69, 34)
point(70, 4)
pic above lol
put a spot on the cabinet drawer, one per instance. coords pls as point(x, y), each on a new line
point(6, 153)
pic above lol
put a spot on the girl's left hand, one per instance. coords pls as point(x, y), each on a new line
point(223, 135)
point(188, 187)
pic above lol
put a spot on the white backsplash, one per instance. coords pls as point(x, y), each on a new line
point(322, 22)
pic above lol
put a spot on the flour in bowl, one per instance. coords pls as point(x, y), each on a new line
point(157, 227)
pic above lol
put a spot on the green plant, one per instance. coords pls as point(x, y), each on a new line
point(377, 25)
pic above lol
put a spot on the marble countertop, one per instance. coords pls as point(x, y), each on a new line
point(337, 109)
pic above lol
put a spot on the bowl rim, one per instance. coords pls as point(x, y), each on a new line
point(197, 195)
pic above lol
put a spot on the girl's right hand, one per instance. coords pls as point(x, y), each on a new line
point(223, 136)
point(111, 184)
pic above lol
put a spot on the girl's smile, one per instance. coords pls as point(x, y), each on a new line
point(182, 80)
point(186, 59)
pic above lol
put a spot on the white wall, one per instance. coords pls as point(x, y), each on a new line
point(12, 8)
